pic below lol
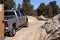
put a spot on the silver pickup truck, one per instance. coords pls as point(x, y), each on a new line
point(12, 20)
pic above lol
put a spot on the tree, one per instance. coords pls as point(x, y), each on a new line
point(27, 1)
point(55, 7)
point(49, 12)
point(41, 9)
point(19, 6)
point(27, 7)
point(59, 11)
point(34, 13)
point(9, 4)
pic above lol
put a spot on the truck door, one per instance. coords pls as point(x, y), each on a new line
point(19, 18)
point(23, 17)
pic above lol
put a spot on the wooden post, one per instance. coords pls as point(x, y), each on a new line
point(1, 22)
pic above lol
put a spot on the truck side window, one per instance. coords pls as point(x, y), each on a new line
point(22, 14)
point(8, 13)
point(18, 13)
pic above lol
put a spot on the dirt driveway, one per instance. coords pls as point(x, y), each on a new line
point(32, 32)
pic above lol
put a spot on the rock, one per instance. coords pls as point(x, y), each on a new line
point(52, 27)
point(42, 18)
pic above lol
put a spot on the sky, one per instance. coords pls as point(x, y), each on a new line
point(36, 3)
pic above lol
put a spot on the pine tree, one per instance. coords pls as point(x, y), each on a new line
point(9, 4)
point(19, 6)
point(55, 7)
point(41, 9)
point(27, 7)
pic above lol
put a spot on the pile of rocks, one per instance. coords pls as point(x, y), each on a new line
point(52, 27)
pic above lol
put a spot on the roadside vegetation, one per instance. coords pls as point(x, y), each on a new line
point(48, 11)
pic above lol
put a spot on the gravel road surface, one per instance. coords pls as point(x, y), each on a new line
point(32, 32)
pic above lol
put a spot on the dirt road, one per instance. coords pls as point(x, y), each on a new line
point(32, 32)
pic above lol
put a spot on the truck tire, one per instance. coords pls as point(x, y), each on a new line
point(26, 24)
point(12, 33)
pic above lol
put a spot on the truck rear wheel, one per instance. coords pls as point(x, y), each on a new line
point(12, 33)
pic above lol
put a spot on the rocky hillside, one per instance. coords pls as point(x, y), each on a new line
point(52, 27)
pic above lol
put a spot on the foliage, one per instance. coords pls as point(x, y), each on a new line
point(41, 9)
point(27, 7)
point(9, 4)
point(54, 7)
point(19, 7)
point(34, 13)
point(59, 11)
point(49, 10)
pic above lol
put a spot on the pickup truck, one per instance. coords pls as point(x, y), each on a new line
point(12, 20)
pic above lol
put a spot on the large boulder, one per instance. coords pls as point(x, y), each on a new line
point(52, 27)
point(42, 18)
